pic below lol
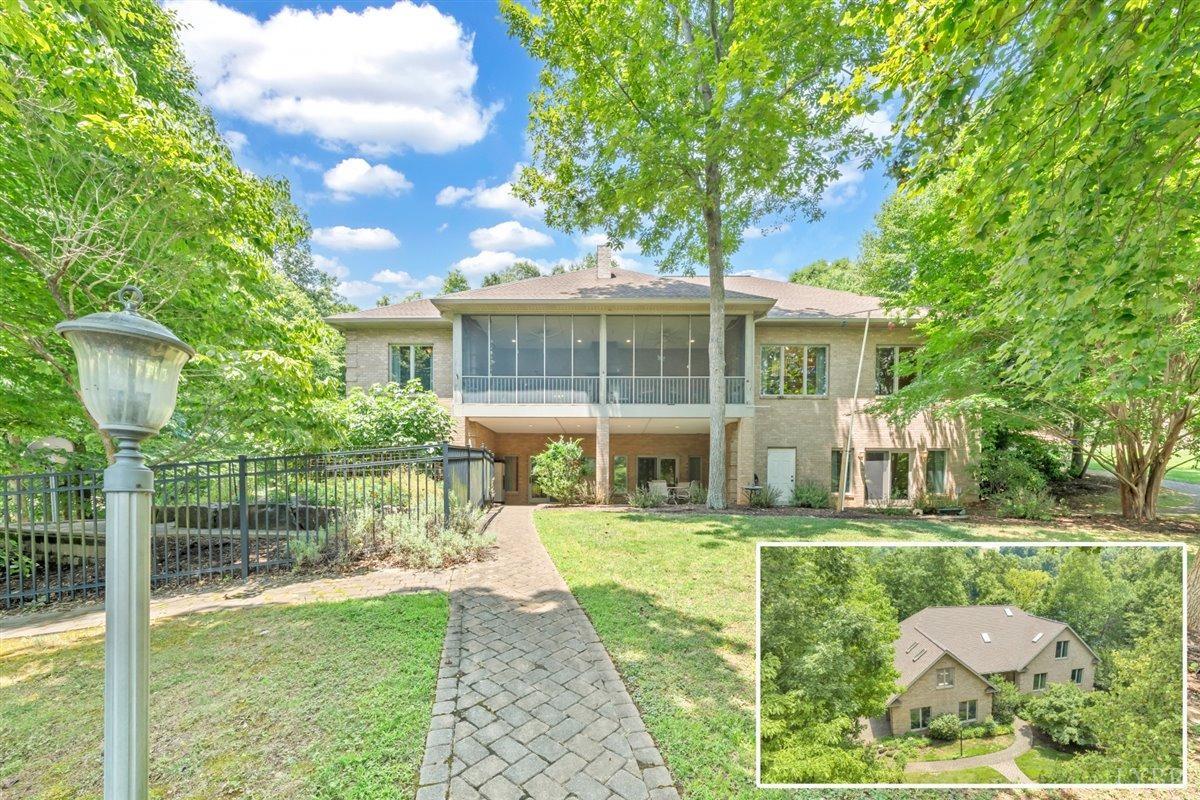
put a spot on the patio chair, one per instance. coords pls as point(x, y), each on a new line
point(659, 488)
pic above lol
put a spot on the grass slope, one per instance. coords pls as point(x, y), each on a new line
point(329, 700)
point(672, 597)
point(969, 775)
point(1042, 762)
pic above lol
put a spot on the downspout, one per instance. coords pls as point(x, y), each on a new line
point(862, 354)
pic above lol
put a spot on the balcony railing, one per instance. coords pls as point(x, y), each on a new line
point(620, 390)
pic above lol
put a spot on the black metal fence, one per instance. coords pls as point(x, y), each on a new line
point(230, 517)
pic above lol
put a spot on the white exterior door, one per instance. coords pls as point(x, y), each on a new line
point(781, 471)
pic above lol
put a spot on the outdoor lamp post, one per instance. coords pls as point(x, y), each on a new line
point(128, 376)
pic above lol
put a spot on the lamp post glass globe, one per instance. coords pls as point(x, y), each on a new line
point(128, 368)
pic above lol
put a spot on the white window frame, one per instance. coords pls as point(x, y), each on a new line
point(1041, 675)
point(1064, 646)
point(945, 678)
point(970, 713)
point(923, 723)
point(1078, 670)
point(804, 348)
point(412, 361)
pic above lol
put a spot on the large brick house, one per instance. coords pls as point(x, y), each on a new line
point(619, 359)
point(948, 655)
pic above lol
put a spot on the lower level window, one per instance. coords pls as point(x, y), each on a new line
point(966, 710)
point(1077, 675)
point(409, 361)
point(620, 474)
point(918, 718)
point(835, 471)
point(935, 471)
point(1039, 681)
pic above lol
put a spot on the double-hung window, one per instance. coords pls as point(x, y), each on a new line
point(794, 370)
point(945, 677)
point(1060, 649)
point(409, 361)
point(891, 372)
point(918, 718)
point(1039, 681)
point(1077, 675)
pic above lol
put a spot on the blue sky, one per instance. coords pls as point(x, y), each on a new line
point(399, 127)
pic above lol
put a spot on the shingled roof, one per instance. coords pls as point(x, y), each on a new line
point(1013, 638)
point(780, 300)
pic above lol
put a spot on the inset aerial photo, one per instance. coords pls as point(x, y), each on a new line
point(965, 664)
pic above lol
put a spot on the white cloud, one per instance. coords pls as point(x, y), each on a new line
point(378, 79)
point(356, 176)
point(756, 232)
point(330, 265)
point(405, 281)
point(358, 291)
point(236, 140)
point(877, 123)
point(492, 198)
point(846, 187)
point(442, 228)
point(486, 261)
point(769, 274)
point(340, 237)
point(510, 235)
point(304, 163)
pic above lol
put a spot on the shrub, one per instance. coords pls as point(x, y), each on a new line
point(810, 493)
point(989, 724)
point(561, 472)
point(767, 497)
point(930, 502)
point(1058, 712)
point(642, 497)
point(1026, 504)
point(415, 542)
point(1012, 460)
point(697, 493)
point(391, 415)
point(946, 727)
point(1005, 701)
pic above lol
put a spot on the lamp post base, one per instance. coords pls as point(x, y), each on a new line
point(128, 489)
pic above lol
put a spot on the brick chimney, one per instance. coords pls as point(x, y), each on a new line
point(604, 262)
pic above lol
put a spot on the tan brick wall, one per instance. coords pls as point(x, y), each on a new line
point(1059, 670)
point(367, 355)
point(816, 426)
point(925, 692)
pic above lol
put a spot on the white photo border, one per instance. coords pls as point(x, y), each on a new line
point(758, 782)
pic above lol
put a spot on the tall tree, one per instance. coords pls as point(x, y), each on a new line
point(111, 172)
point(455, 281)
point(1083, 595)
point(916, 577)
point(517, 271)
point(1070, 127)
point(841, 273)
point(678, 124)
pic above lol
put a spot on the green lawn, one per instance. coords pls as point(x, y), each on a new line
point(1183, 465)
point(971, 775)
point(970, 747)
point(328, 700)
point(673, 597)
point(1041, 763)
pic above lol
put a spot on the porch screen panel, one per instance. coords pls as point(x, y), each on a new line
point(620, 346)
point(675, 346)
point(647, 341)
point(558, 345)
point(475, 345)
point(699, 343)
point(504, 345)
point(587, 346)
point(735, 346)
point(531, 345)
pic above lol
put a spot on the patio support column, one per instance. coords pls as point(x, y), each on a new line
point(603, 459)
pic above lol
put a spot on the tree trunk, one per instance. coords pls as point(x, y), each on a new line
point(1077, 451)
point(1140, 469)
point(1193, 609)
point(716, 342)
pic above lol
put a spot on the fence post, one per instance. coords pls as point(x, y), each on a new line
point(447, 482)
point(244, 517)
point(470, 466)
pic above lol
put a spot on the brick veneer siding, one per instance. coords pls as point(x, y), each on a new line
point(816, 426)
point(1059, 670)
point(925, 692)
point(367, 355)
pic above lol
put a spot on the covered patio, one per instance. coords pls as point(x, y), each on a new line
point(624, 453)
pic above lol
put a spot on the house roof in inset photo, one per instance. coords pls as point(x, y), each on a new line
point(986, 639)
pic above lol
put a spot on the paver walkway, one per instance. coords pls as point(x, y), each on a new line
point(1003, 761)
point(529, 704)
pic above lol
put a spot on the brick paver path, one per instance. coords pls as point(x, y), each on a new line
point(1003, 761)
point(528, 702)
